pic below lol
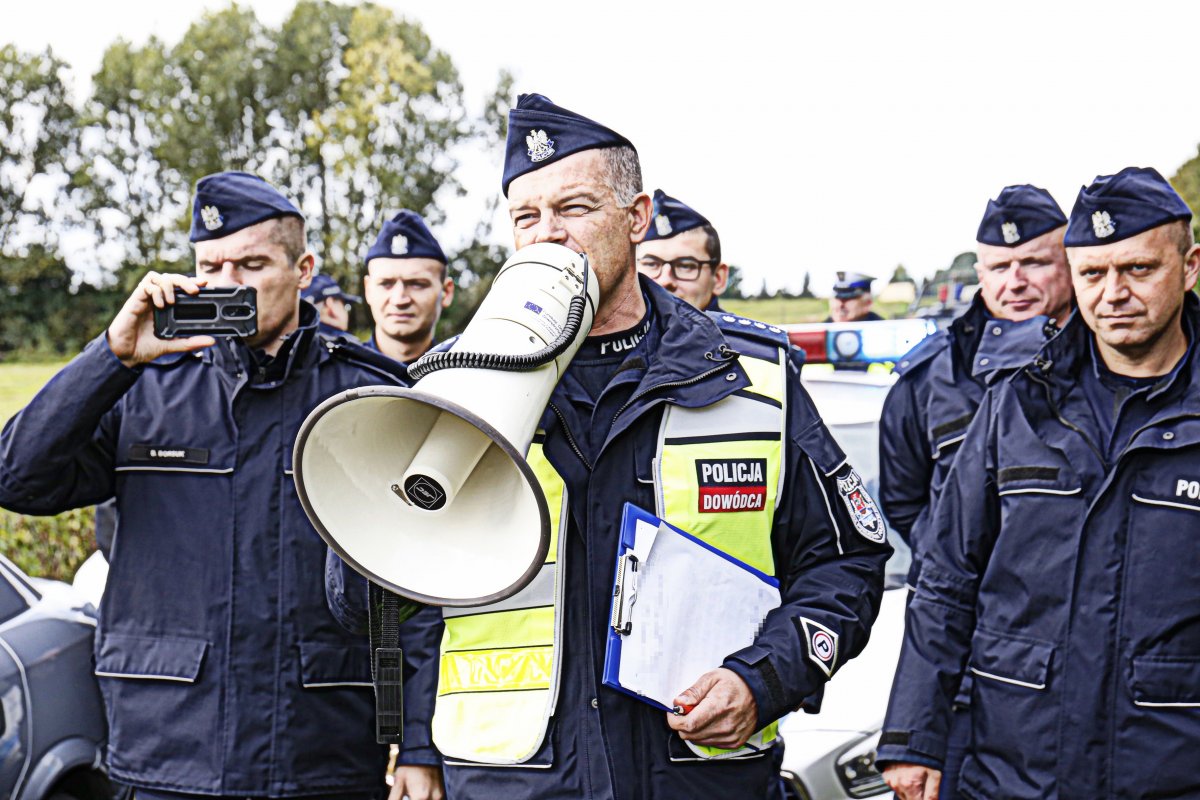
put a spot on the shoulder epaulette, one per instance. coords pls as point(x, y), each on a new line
point(355, 352)
point(927, 349)
point(750, 328)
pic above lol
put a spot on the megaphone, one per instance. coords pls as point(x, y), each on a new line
point(426, 491)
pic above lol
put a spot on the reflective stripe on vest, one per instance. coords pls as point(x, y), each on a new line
point(498, 676)
point(498, 681)
point(723, 465)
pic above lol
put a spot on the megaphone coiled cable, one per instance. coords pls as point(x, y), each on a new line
point(458, 359)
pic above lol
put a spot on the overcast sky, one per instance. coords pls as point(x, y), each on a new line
point(815, 136)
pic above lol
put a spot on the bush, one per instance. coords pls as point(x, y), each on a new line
point(48, 547)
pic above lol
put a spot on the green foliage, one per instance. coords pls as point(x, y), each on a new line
point(1187, 182)
point(733, 284)
point(901, 275)
point(48, 547)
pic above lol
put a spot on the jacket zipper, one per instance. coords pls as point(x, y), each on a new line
point(1066, 422)
point(570, 439)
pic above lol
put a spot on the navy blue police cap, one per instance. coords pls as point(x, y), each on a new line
point(323, 287)
point(1116, 207)
point(540, 133)
point(405, 236)
point(1019, 214)
point(672, 217)
point(229, 201)
point(851, 284)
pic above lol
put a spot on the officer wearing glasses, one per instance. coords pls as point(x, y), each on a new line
point(682, 254)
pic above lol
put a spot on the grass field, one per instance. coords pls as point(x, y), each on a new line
point(19, 383)
point(787, 310)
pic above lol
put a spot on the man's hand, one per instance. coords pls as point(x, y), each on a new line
point(913, 781)
point(417, 782)
point(131, 334)
point(724, 713)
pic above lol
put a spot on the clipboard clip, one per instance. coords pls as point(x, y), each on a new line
point(624, 594)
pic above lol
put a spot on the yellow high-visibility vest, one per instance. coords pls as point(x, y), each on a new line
point(718, 475)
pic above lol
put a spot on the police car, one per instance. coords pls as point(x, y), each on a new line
point(52, 727)
point(832, 754)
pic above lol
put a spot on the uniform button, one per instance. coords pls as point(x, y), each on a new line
point(731, 376)
point(996, 331)
point(1168, 436)
point(983, 362)
point(595, 702)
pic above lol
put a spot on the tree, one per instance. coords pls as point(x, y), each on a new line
point(348, 109)
point(1186, 181)
point(763, 294)
point(733, 284)
point(901, 275)
point(805, 288)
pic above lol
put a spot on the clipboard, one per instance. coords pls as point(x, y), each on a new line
point(679, 608)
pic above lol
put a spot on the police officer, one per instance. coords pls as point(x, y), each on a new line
point(331, 302)
point(682, 253)
point(407, 286)
point(851, 301)
point(520, 711)
point(1024, 291)
point(1062, 556)
point(223, 671)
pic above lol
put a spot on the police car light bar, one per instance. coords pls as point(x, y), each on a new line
point(860, 342)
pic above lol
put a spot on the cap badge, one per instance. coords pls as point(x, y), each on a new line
point(1103, 225)
point(1010, 233)
point(212, 218)
point(399, 244)
point(662, 224)
point(540, 146)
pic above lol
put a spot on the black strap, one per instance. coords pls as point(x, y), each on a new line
point(388, 611)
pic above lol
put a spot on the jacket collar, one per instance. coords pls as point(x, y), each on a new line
point(232, 355)
point(1062, 358)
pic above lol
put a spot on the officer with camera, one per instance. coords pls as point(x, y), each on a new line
point(682, 253)
point(223, 670)
point(1062, 555)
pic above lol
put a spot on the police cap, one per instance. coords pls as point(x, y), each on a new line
point(540, 133)
point(1116, 207)
point(229, 201)
point(405, 236)
point(1019, 214)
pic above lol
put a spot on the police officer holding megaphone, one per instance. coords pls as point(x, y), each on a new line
point(495, 488)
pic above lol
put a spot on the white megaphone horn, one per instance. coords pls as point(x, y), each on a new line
point(426, 491)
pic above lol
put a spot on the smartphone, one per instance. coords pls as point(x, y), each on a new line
point(224, 311)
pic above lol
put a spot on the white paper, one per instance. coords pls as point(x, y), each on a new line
point(693, 609)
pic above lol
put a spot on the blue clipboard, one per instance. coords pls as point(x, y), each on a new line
point(629, 572)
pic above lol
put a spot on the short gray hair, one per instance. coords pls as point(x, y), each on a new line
point(622, 173)
point(1183, 236)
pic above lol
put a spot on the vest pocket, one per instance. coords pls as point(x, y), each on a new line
point(1165, 681)
point(150, 657)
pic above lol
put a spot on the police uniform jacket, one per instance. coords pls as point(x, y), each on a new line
point(1062, 574)
point(926, 413)
point(222, 668)
point(604, 744)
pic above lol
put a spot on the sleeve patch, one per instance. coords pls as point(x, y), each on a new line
point(864, 513)
point(822, 644)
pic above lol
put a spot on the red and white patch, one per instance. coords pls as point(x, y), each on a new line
point(731, 484)
point(822, 645)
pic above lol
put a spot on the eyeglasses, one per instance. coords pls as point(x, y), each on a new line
point(684, 269)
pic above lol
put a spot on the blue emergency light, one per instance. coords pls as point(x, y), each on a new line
point(859, 342)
